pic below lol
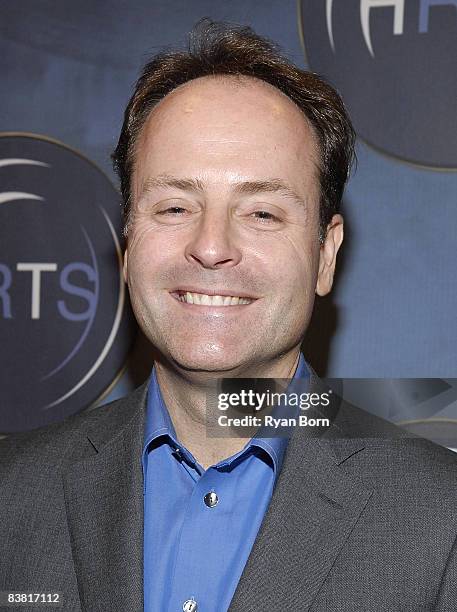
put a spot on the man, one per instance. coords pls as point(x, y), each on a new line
point(232, 164)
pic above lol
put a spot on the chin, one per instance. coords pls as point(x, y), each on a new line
point(208, 358)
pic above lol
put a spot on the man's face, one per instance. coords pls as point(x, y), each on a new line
point(225, 200)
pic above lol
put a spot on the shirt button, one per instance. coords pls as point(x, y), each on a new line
point(211, 499)
point(190, 605)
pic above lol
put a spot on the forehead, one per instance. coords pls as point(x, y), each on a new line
point(226, 125)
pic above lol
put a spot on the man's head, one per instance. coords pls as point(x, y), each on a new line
point(232, 164)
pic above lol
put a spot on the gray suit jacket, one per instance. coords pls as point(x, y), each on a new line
point(362, 518)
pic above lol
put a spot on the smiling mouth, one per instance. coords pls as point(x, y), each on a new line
point(202, 299)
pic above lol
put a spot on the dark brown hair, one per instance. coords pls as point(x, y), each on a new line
point(217, 48)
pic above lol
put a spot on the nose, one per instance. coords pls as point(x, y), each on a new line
point(212, 243)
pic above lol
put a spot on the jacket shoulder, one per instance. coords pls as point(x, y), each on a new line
point(393, 455)
point(68, 440)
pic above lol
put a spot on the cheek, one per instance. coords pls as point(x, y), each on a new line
point(148, 249)
point(295, 259)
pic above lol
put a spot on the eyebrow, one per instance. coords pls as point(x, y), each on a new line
point(273, 185)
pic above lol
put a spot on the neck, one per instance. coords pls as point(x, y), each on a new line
point(185, 394)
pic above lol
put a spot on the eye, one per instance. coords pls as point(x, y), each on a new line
point(173, 210)
point(265, 217)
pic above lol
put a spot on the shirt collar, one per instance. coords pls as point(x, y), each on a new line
point(276, 446)
point(159, 423)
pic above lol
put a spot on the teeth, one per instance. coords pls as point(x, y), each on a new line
point(212, 300)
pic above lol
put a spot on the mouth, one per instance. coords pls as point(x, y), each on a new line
point(213, 298)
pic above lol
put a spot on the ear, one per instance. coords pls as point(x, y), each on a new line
point(124, 269)
point(327, 255)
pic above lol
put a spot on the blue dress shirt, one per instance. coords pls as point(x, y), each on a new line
point(195, 550)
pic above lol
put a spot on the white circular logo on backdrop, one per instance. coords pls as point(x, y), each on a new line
point(393, 61)
point(66, 324)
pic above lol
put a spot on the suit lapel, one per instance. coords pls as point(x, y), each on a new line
point(104, 504)
point(313, 510)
